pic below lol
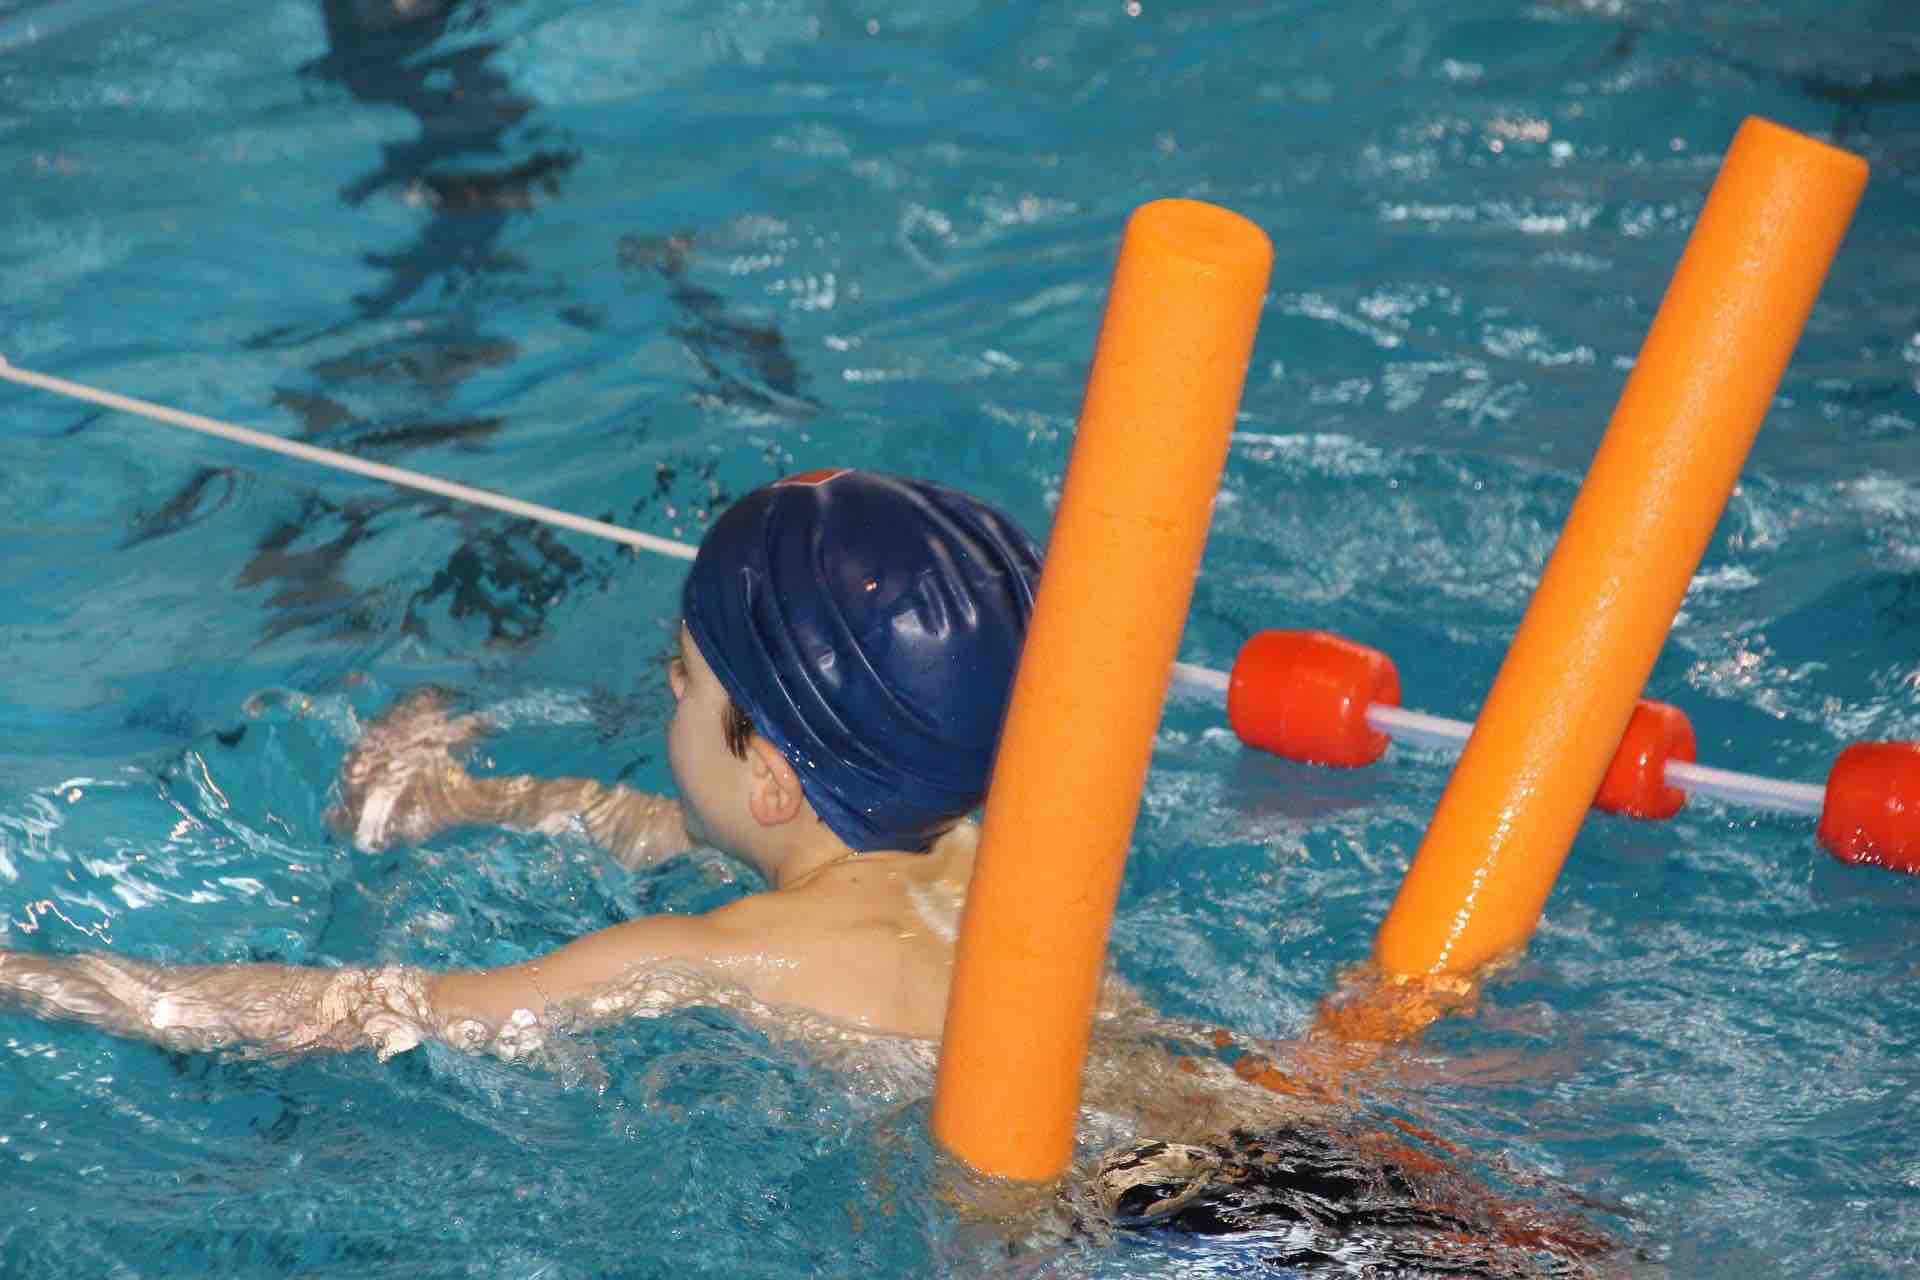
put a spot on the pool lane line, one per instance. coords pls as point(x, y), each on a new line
point(1319, 698)
point(346, 462)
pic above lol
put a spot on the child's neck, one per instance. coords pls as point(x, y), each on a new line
point(812, 850)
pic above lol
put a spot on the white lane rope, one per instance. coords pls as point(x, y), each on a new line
point(345, 462)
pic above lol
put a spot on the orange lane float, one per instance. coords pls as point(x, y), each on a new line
point(1121, 560)
point(1663, 472)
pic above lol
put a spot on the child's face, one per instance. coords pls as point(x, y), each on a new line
point(712, 780)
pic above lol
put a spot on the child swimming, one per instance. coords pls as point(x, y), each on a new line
point(847, 647)
point(846, 652)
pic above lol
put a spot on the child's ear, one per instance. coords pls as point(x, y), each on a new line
point(773, 788)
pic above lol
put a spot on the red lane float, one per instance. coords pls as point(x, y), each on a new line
point(1636, 782)
point(1320, 698)
point(1872, 813)
point(1304, 695)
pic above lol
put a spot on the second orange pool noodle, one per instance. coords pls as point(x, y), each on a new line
point(1664, 470)
point(1154, 431)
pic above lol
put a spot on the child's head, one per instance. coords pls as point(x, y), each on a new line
point(868, 626)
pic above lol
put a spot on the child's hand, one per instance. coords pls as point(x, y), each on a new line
point(401, 783)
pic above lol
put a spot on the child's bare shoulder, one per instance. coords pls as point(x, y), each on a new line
point(898, 879)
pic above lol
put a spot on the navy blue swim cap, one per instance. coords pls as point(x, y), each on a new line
point(869, 626)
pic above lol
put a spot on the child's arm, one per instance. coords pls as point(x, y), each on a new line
point(635, 827)
point(291, 1009)
point(192, 1008)
point(781, 948)
point(402, 783)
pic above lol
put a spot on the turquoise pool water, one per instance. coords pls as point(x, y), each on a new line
point(630, 259)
